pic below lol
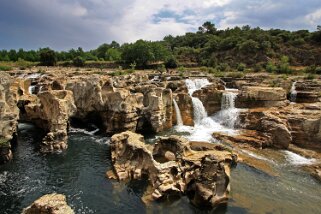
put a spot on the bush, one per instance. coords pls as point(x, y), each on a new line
point(318, 70)
point(48, 57)
point(241, 67)
point(270, 67)
point(284, 66)
point(171, 63)
point(310, 77)
point(5, 68)
point(223, 67)
point(78, 61)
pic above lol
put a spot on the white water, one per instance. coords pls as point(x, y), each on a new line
point(296, 159)
point(228, 115)
point(196, 84)
point(199, 110)
point(178, 114)
point(204, 125)
point(293, 92)
point(77, 130)
point(32, 89)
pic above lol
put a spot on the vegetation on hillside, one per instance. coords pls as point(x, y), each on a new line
point(235, 48)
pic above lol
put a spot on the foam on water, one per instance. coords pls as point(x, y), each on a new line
point(196, 84)
point(293, 92)
point(84, 131)
point(296, 159)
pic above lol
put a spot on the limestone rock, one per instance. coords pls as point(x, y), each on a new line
point(49, 204)
point(184, 102)
point(256, 97)
point(174, 166)
point(274, 128)
point(211, 97)
point(9, 114)
point(51, 111)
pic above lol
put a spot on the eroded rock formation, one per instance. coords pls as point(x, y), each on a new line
point(9, 114)
point(49, 204)
point(174, 166)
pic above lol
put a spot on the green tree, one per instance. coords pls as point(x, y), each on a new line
point(48, 57)
point(113, 54)
point(144, 52)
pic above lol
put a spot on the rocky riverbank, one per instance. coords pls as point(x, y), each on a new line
point(256, 114)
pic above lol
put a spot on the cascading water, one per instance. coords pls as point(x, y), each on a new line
point(228, 115)
point(178, 114)
point(199, 110)
point(293, 92)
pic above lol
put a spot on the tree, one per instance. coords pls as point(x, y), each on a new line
point(48, 57)
point(78, 61)
point(144, 52)
point(113, 54)
point(207, 27)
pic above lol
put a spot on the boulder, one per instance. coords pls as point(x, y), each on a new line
point(274, 128)
point(257, 97)
point(173, 167)
point(49, 204)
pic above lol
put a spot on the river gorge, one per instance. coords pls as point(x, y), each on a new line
point(140, 144)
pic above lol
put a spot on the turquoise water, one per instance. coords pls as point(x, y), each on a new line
point(79, 173)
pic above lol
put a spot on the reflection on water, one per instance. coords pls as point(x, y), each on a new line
point(79, 173)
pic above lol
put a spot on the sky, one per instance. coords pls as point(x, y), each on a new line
point(66, 24)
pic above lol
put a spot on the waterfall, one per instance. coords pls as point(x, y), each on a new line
point(199, 110)
point(228, 115)
point(32, 89)
point(293, 92)
point(178, 114)
point(196, 84)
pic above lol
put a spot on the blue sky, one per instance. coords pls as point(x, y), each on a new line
point(65, 24)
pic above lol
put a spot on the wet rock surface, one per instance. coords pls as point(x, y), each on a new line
point(174, 167)
point(49, 204)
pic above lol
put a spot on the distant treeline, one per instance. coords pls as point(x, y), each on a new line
point(230, 48)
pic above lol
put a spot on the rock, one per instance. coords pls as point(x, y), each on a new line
point(274, 129)
point(49, 204)
point(173, 167)
point(308, 91)
point(211, 97)
point(257, 97)
point(184, 102)
point(51, 112)
point(158, 109)
point(9, 114)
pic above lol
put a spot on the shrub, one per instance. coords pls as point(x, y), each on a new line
point(241, 67)
point(284, 66)
point(270, 67)
point(48, 57)
point(310, 77)
point(171, 63)
point(318, 70)
point(5, 68)
point(222, 67)
point(78, 61)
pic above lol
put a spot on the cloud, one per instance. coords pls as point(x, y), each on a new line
point(65, 24)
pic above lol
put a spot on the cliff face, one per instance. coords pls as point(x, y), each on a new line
point(9, 114)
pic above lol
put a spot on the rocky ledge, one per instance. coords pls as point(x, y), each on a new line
point(174, 166)
point(49, 204)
